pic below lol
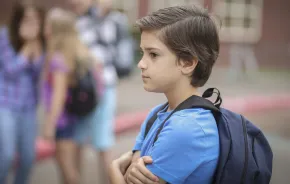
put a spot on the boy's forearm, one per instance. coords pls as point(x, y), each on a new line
point(135, 158)
point(116, 177)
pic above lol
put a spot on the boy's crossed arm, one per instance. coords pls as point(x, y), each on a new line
point(137, 173)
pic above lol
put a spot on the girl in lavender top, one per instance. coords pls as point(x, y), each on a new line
point(21, 56)
point(63, 51)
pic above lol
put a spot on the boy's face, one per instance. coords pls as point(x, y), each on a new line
point(160, 71)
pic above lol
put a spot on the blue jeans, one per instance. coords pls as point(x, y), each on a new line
point(17, 137)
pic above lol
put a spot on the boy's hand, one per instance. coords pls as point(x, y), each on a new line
point(135, 158)
point(124, 161)
point(26, 50)
point(139, 174)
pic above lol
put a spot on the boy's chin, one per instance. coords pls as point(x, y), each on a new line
point(151, 89)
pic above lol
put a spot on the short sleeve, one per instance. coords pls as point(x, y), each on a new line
point(58, 63)
point(181, 148)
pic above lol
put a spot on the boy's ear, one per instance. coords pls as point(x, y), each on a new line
point(187, 67)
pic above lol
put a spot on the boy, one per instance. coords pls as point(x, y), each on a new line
point(180, 46)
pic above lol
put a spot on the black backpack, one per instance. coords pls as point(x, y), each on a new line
point(245, 154)
point(83, 97)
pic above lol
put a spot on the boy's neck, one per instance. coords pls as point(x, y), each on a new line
point(178, 95)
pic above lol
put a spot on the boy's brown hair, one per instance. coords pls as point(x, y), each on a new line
point(191, 33)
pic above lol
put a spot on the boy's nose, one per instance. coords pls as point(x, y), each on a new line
point(142, 64)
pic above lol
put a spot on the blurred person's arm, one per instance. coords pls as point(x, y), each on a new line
point(59, 92)
point(99, 76)
point(12, 63)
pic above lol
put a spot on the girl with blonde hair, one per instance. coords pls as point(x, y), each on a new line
point(66, 55)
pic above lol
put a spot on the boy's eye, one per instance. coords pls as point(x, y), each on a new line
point(153, 55)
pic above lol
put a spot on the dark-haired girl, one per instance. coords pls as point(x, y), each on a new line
point(21, 58)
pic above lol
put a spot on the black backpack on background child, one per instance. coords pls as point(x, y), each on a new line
point(245, 154)
point(83, 97)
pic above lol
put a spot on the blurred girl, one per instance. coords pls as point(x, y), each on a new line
point(66, 54)
point(21, 56)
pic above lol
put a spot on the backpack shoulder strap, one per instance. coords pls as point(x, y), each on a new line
point(151, 121)
point(197, 102)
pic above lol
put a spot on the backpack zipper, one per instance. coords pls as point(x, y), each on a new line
point(246, 151)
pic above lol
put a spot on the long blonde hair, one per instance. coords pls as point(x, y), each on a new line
point(64, 39)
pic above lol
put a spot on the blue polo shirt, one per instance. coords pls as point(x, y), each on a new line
point(187, 148)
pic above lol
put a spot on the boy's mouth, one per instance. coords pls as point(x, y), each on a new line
point(144, 76)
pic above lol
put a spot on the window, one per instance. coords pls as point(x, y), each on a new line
point(241, 20)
